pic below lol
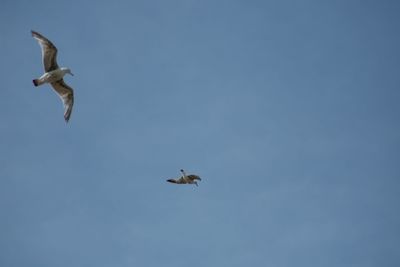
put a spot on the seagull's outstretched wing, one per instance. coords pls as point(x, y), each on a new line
point(49, 52)
point(194, 177)
point(67, 96)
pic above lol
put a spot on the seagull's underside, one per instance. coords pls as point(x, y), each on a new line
point(54, 74)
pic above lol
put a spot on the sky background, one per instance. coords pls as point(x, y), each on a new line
point(288, 110)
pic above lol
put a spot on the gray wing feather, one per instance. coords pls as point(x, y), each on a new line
point(193, 177)
point(67, 96)
point(49, 52)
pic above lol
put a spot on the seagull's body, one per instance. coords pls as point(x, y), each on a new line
point(51, 76)
point(185, 179)
point(54, 74)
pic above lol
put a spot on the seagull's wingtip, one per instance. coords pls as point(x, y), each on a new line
point(66, 118)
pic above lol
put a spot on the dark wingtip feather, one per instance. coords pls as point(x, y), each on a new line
point(66, 118)
point(34, 33)
point(67, 114)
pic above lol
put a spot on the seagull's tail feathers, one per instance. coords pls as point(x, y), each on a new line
point(36, 82)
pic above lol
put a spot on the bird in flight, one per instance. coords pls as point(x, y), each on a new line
point(54, 74)
point(185, 179)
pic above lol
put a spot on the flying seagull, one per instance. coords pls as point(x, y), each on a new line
point(185, 179)
point(54, 74)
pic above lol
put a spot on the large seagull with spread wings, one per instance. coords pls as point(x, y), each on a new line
point(54, 74)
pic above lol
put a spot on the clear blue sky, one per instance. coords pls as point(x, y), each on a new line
point(288, 110)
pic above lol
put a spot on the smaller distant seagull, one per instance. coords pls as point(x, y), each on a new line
point(185, 179)
point(54, 74)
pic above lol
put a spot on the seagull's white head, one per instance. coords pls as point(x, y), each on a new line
point(67, 70)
